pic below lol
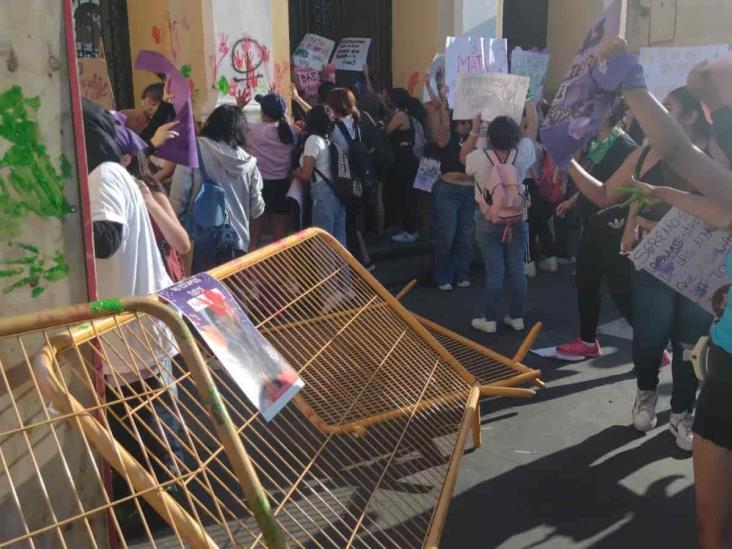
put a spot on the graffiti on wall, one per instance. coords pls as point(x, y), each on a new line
point(30, 184)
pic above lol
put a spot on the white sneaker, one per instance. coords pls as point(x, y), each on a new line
point(515, 323)
point(644, 410)
point(487, 326)
point(549, 265)
point(404, 237)
point(464, 284)
point(445, 287)
point(530, 269)
point(680, 426)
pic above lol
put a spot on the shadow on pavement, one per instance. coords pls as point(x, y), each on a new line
point(566, 499)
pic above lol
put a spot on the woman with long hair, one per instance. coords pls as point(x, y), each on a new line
point(271, 142)
point(328, 212)
point(453, 201)
point(221, 151)
point(347, 129)
point(659, 313)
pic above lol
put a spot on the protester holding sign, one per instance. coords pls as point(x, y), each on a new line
point(712, 441)
point(502, 229)
point(602, 229)
point(453, 203)
point(659, 313)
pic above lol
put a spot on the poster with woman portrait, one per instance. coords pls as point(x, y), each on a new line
point(256, 367)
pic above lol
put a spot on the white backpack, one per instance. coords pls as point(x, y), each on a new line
point(502, 198)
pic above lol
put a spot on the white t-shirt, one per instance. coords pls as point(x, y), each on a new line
point(317, 147)
point(136, 268)
point(477, 164)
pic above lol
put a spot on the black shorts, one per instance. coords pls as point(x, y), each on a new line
point(274, 193)
point(713, 419)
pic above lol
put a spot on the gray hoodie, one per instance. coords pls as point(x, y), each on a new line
point(236, 170)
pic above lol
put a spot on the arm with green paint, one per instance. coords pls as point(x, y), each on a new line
point(699, 206)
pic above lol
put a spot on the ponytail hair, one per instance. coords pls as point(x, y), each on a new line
point(284, 132)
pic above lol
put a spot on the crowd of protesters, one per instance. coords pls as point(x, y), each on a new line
point(346, 162)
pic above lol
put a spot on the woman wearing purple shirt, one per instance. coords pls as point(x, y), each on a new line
point(271, 142)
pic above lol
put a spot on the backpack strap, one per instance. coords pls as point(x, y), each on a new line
point(512, 156)
point(491, 156)
point(641, 161)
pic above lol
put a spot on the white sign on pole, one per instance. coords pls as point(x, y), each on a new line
point(313, 52)
point(688, 255)
point(352, 54)
point(667, 68)
point(490, 95)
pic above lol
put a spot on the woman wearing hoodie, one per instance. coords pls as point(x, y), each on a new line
point(221, 146)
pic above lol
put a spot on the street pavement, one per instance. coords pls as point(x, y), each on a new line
point(565, 469)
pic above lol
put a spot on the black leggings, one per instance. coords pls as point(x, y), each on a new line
point(540, 213)
point(598, 258)
point(402, 181)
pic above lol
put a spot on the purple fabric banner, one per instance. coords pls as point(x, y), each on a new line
point(181, 150)
point(581, 105)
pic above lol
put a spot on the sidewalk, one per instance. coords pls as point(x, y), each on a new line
point(565, 469)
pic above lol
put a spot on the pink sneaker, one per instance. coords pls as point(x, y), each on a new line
point(665, 359)
point(578, 348)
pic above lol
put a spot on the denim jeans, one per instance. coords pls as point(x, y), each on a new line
point(454, 224)
point(328, 213)
point(503, 261)
point(660, 314)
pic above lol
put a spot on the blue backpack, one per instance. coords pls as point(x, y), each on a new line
point(207, 222)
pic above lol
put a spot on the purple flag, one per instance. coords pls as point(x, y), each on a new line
point(181, 150)
point(581, 105)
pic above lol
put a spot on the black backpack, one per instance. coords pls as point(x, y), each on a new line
point(343, 184)
point(372, 135)
point(359, 159)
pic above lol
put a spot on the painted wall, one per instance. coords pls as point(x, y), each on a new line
point(190, 32)
point(43, 265)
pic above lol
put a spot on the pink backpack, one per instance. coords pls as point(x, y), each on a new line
point(502, 198)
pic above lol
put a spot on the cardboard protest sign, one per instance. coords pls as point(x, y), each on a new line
point(490, 94)
point(427, 174)
point(94, 81)
point(262, 374)
point(313, 52)
point(667, 68)
point(688, 255)
point(580, 106)
point(182, 149)
point(352, 54)
point(534, 65)
point(307, 80)
point(495, 54)
point(437, 76)
point(463, 55)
